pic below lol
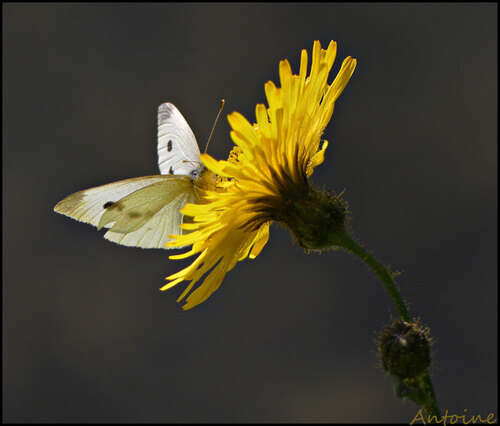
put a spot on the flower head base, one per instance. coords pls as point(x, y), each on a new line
point(265, 178)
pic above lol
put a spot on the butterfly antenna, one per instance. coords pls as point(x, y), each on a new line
point(222, 102)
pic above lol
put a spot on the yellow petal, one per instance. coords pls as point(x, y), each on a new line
point(260, 241)
point(316, 159)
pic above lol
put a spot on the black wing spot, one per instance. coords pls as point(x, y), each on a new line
point(171, 171)
point(169, 146)
point(108, 204)
point(133, 214)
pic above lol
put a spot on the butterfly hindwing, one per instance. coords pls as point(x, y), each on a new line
point(149, 215)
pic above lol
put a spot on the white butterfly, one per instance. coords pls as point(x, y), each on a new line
point(144, 211)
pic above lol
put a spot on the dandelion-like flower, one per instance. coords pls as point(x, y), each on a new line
point(265, 178)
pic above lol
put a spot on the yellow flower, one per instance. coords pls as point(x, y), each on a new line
point(265, 177)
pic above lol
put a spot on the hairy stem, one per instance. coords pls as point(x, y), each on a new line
point(382, 272)
point(424, 383)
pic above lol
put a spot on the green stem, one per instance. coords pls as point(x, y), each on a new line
point(425, 384)
point(432, 406)
point(383, 273)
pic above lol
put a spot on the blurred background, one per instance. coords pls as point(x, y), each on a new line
point(289, 336)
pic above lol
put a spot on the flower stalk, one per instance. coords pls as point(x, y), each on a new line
point(385, 275)
point(317, 221)
point(419, 389)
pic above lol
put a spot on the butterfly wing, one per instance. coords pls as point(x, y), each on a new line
point(149, 215)
point(140, 212)
point(178, 152)
point(89, 205)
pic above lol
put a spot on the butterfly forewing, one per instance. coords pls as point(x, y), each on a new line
point(178, 152)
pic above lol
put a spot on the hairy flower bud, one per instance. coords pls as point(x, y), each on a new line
point(404, 349)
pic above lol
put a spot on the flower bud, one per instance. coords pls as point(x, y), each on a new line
point(404, 349)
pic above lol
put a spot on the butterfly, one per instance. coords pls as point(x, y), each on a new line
point(144, 211)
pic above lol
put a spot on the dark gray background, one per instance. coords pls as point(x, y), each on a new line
point(87, 336)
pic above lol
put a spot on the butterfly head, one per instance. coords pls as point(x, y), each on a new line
point(196, 173)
